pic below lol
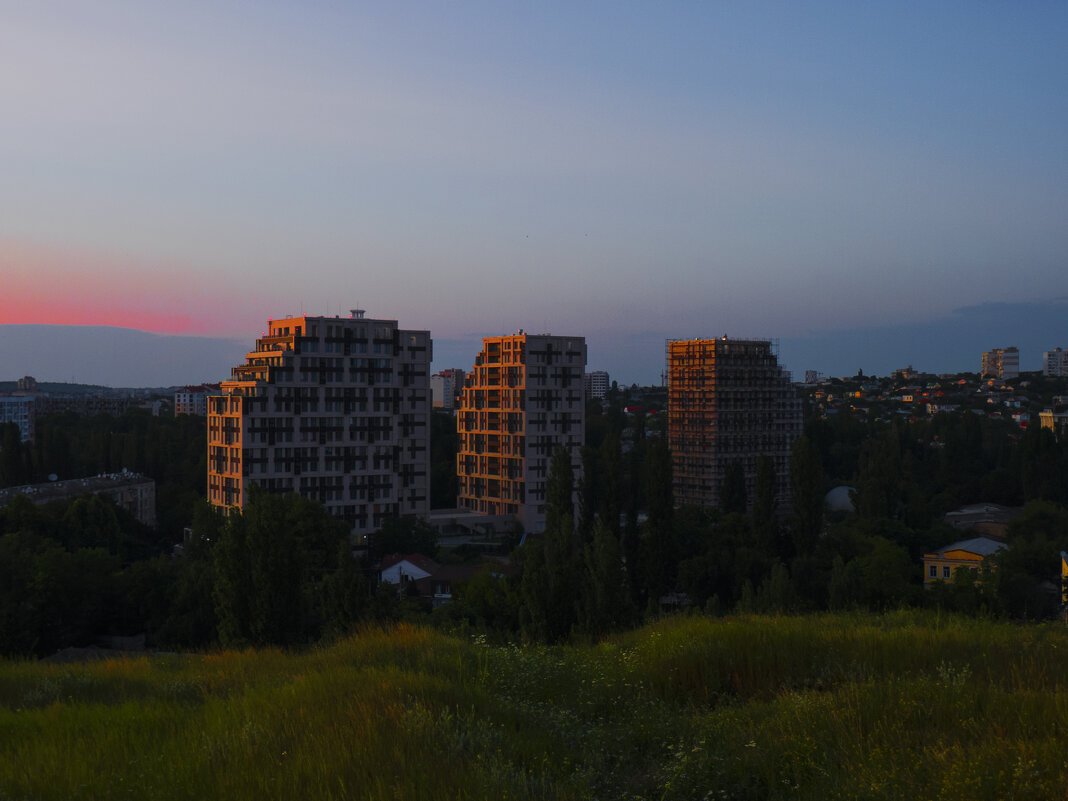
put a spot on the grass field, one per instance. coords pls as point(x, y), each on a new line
point(907, 705)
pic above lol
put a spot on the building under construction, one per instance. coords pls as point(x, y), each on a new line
point(728, 400)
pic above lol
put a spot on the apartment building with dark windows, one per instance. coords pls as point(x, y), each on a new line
point(335, 409)
point(523, 398)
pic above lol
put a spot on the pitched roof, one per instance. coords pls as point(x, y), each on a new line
point(422, 562)
point(981, 546)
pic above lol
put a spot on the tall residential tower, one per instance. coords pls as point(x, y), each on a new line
point(1000, 363)
point(523, 398)
point(728, 400)
point(336, 409)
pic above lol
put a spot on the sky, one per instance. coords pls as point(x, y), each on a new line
point(627, 171)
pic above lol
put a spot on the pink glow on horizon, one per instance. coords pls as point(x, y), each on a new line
point(51, 287)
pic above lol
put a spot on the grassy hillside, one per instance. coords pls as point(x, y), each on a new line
point(902, 706)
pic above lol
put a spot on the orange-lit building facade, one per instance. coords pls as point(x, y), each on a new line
point(523, 398)
point(728, 400)
point(336, 409)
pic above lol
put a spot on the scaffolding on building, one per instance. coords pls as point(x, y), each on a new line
point(728, 401)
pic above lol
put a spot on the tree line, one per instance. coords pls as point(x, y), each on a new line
point(615, 550)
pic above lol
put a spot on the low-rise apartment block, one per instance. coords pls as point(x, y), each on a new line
point(194, 400)
point(22, 411)
point(130, 491)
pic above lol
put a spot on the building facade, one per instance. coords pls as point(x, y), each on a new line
point(22, 411)
point(130, 491)
point(1055, 362)
point(596, 384)
point(1001, 363)
point(523, 398)
point(1055, 419)
point(728, 401)
point(194, 400)
point(967, 555)
point(446, 387)
point(335, 409)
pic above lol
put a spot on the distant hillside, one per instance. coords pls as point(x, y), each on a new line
point(66, 388)
point(114, 357)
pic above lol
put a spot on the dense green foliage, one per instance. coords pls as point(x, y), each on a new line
point(442, 460)
point(170, 450)
point(615, 548)
point(821, 707)
point(907, 474)
point(281, 573)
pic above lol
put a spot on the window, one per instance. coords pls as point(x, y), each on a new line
point(932, 571)
point(946, 572)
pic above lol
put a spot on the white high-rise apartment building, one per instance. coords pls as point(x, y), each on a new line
point(336, 409)
point(596, 384)
point(445, 386)
point(1055, 362)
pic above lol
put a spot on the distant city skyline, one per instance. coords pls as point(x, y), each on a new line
point(943, 345)
point(841, 177)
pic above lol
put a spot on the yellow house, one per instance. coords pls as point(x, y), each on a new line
point(966, 554)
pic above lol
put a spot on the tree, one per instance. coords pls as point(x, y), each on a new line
point(559, 493)
point(551, 567)
point(269, 563)
point(776, 594)
point(588, 493)
point(807, 483)
point(487, 601)
point(1025, 571)
point(659, 554)
point(732, 495)
point(14, 463)
point(764, 505)
point(344, 596)
point(879, 487)
point(611, 465)
point(232, 588)
point(606, 596)
point(442, 459)
point(404, 535)
point(534, 593)
point(844, 587)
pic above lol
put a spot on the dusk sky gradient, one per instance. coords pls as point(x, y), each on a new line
point(625, 171)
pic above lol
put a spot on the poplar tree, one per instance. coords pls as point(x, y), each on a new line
point(659, 551)
point(764, 505)
point(807, 483)
point(607, 604)
point(550, 586)
point(732, 495)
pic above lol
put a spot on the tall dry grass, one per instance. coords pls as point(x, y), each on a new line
point(824, 706)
